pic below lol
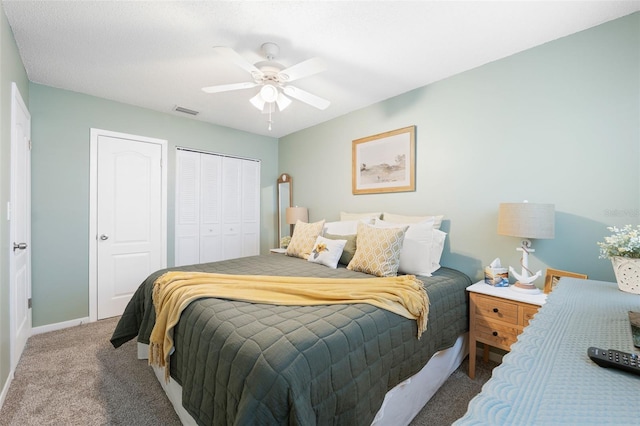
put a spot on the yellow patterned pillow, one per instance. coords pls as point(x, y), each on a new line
point(304, 238)
point(378, 250)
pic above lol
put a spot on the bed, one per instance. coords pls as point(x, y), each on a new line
point(246, 363)
point(375, 359)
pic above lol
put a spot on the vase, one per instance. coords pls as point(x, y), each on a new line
point(627, 273)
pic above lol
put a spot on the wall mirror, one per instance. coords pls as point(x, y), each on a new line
point(285, 196)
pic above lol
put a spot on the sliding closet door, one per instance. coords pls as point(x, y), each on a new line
point(187, 245)
point(250, 208)
point(232, 208)
point(217, 207)
point(211, 208)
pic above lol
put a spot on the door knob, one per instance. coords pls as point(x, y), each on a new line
point(104, 237)
point(20, 246)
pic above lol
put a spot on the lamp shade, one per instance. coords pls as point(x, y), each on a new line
point(526, 220)
point(297, 213)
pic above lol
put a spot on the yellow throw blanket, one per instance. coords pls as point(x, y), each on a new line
point(175, 290)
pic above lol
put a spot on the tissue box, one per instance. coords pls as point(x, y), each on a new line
point(497, 277)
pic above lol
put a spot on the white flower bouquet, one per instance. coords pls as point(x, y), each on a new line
point(624, 242)
point(284, 241)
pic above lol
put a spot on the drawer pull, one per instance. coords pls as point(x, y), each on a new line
point(495, 310)
point(495, 333)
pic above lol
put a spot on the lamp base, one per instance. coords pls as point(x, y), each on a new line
point(525, 288)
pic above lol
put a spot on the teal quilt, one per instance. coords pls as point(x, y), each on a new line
point(246, 363)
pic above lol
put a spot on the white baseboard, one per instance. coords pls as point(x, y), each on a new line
point(5, 389)
point(59, 326)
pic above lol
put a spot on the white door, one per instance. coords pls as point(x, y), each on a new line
point(198, 188)
point(129, 219)
point(187, 216)
point(217, 207)
point(250, 208)
point(210, 208)
point(232, 208)
point(20, 228)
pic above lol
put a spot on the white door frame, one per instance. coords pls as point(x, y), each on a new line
point(17, 102)
point(93, 209)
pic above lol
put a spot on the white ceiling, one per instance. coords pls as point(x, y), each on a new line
point(158, 54)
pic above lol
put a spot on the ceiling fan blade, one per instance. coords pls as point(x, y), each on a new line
point(228, 87)
point(306, 97)
point(237, 59)
point(303, 69)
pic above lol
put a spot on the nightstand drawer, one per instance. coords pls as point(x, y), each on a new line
point(494, 308)
point(495, 333)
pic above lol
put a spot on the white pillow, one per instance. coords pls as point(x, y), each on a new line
point(345, 227)
point(327, 252)
point(437, 247)
point(358, 216)
point(422, 247)
point(398, 218)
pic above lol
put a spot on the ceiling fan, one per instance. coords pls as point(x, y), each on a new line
point(274, 80)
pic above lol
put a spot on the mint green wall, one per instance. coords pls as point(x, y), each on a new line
point(555, 124)
point(60, 183)
point(11, 70)
point(558, 123)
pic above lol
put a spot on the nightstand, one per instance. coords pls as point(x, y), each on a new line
point(497, 315)
point(278, 250)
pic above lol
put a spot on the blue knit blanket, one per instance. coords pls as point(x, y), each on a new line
point(548, 379)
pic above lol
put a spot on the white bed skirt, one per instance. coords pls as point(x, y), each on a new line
point(400, 405)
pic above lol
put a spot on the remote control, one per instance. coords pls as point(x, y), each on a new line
point(615, 359)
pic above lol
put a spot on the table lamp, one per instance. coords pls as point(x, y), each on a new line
point(526, 220)
point(294, 214)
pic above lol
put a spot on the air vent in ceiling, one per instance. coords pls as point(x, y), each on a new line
point(186, 110)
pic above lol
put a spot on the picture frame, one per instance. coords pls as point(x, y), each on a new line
point(553, 276)
point(384, 162)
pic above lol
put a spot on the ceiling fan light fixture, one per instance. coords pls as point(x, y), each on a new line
point(282, 102)
point(269, 93)
point(257, 102)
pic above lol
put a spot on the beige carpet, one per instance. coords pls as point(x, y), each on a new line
point(451, 400)
point(75, 377)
